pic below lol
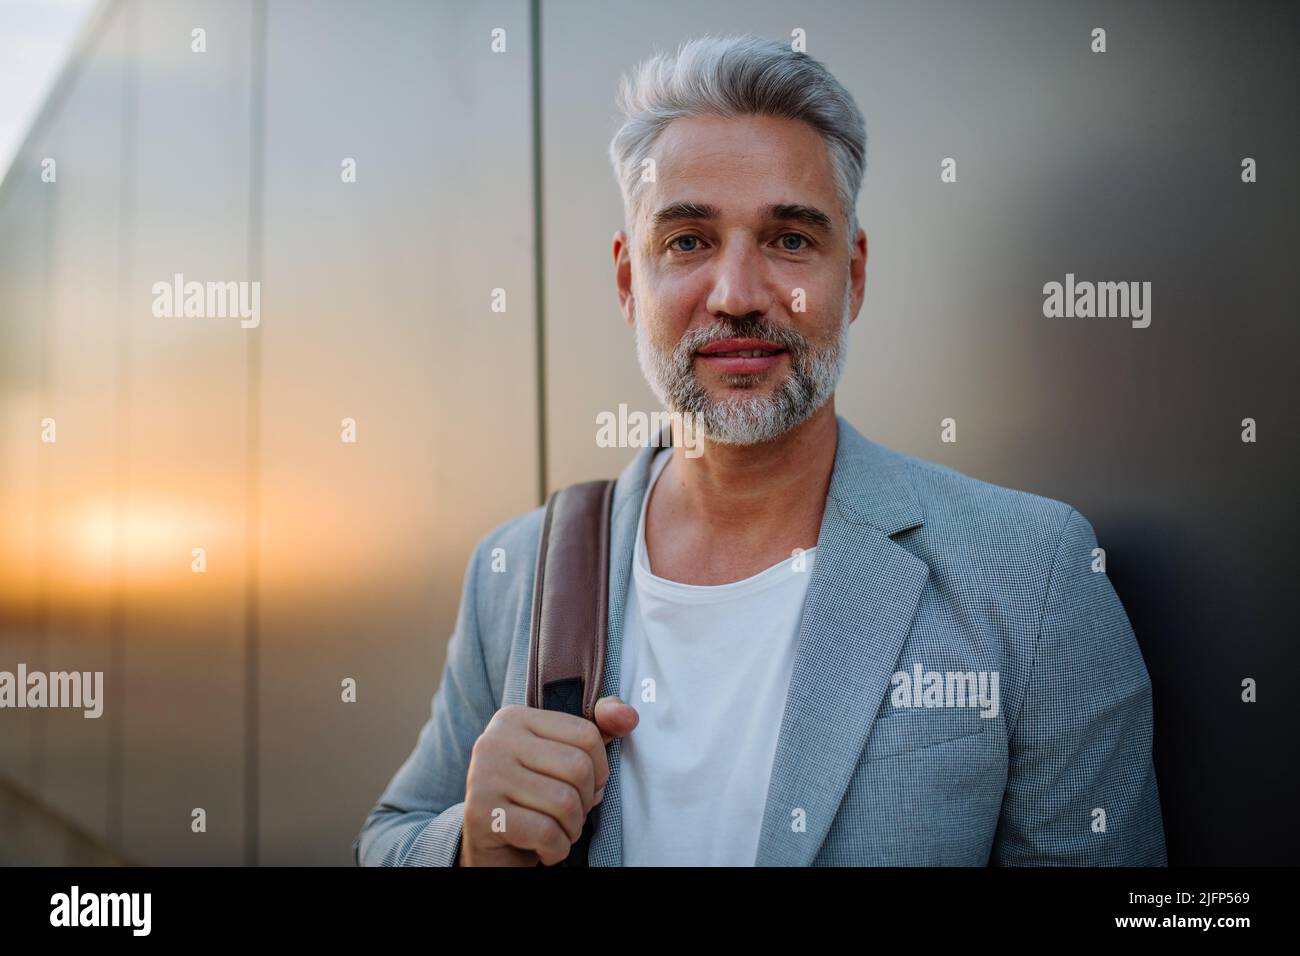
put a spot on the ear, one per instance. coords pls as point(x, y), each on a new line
point(623, 277)
point(857, 273)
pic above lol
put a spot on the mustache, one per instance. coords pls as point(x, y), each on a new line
point(745, 328)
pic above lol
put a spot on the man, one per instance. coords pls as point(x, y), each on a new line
point(834, 653)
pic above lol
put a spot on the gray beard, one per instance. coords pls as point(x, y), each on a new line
point(746, 419)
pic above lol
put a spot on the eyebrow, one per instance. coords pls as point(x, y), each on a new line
point(787, 212)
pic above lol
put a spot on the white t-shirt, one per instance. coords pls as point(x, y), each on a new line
point(694, 773)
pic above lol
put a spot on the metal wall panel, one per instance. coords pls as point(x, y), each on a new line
point(83, 375)
point(25, 460)
point(378, 297)
point(183, 687)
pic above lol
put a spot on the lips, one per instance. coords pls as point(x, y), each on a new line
point(741, 355)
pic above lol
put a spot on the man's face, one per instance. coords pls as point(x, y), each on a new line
point(740, 246)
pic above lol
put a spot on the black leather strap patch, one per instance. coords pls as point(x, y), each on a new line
point(563, 695)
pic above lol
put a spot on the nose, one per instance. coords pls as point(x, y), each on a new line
point(739, 286)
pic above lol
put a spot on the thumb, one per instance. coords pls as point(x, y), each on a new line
point(615, 718)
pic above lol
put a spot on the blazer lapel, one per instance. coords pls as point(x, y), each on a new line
point(861, 599)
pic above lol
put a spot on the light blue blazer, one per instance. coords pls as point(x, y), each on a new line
point(917, 565)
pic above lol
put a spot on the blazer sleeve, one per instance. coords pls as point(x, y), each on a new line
point(417, 821)
point(1081, 788)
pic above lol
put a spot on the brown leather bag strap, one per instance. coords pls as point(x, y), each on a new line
point(566, 654)
point(566, 651)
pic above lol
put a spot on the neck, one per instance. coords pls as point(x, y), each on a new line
point(747, 488)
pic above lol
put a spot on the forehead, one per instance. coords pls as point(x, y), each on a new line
point(740, 164)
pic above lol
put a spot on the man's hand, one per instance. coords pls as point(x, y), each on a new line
point(540, 772)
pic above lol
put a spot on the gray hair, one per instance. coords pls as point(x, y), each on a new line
point(737, 76)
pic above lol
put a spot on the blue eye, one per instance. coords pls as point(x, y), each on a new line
point(792, 235)
point(685, 239)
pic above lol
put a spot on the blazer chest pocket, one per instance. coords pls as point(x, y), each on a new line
point(905, 730)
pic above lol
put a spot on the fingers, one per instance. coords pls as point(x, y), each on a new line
point(574, 731)
point(564, 763)
point(529, 829)
point(557, 799)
